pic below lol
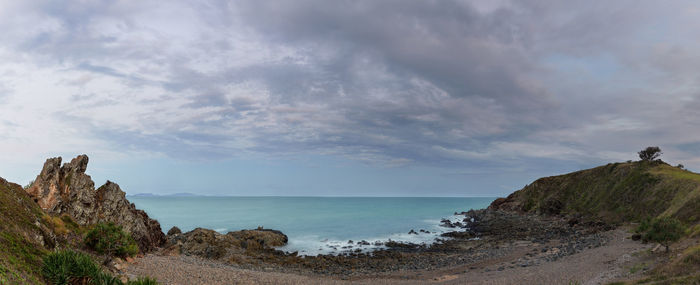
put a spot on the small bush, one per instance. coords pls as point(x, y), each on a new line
point(110, 239)
point(107, 279)
point(643, 225)
point(69, 267)
point(664, 231)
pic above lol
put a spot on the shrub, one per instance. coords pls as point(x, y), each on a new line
point(665, 231)
point(107, 279)
point(69, 267)
point(110, 239)
point(644, 225)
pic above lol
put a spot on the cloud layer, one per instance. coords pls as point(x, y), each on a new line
point(455, 84)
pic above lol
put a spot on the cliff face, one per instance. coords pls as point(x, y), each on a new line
point(68, 190)
point(613, 193)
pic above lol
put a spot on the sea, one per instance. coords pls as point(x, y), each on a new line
point(315, 225)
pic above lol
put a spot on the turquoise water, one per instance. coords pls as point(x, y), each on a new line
point(313, 224)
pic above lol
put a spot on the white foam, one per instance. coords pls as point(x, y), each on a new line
point(221, 230)
point(312, 245)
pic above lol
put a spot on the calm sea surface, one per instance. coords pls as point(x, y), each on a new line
point(314, 224)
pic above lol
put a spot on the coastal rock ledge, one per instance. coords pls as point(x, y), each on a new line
point(214, 245)
point(68, 190)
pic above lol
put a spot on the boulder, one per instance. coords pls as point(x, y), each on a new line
point(213, 245)
point(264, 237)
point(68, 190)
point(174, 231)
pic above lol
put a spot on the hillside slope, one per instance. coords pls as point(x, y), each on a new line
point(613, 193)
point(24, 236)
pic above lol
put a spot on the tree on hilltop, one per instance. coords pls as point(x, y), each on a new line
point(650, 153)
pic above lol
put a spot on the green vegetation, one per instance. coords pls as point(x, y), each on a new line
point(20, 238)
point(29, 185)
point(650, 153)
point(664, 230)
point(143, 281)
point(70, 267)
point(692, 255)
point(637, 267)
point(683, 268)
point(617, 193)
point(661, 197)
point(110, 239)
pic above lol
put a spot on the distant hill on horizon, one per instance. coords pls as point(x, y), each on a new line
point(183, 194)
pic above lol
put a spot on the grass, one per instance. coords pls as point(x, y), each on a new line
point(638, 267)
point(20, 251)
point(692, 256)
point(617, 193)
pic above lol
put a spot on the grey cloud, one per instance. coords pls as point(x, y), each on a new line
point(383, 81)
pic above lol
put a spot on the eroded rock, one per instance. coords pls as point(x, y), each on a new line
point(68, 190)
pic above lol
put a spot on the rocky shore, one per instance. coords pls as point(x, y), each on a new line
point(485, 243)
point(482, 235)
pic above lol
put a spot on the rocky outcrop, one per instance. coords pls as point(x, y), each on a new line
point(68, 190)
point(213, 245)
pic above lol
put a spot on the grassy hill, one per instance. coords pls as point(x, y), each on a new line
point(22, 236)
point(613, 193)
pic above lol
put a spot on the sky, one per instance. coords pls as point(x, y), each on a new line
point(345, 98)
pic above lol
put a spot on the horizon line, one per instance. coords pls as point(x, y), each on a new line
point(292, 196)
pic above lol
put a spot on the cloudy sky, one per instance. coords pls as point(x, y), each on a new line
point(388, 98)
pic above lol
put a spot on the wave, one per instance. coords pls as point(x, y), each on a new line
point(311, 245)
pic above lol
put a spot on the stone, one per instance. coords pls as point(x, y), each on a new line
point(68, 190)
point(214, 245)
point(174, 231)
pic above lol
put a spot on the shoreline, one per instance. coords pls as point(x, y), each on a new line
point(507, 242)
point(547, 253)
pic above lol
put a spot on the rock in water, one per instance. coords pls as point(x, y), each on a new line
point(68, 190)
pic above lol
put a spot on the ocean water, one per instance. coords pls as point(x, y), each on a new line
point(314, 225)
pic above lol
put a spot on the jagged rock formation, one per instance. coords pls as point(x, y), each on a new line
point(68, 190)
point(211, 244)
